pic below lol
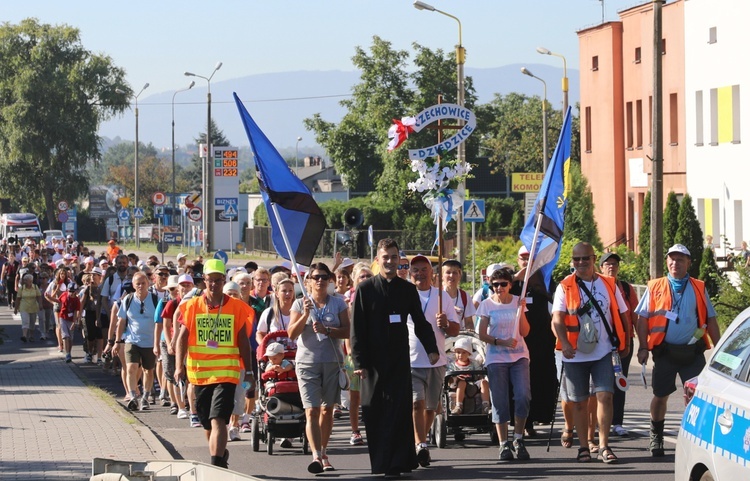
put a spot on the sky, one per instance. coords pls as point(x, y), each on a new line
point(157, 41)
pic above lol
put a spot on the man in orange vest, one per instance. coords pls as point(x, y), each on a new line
point(215, 342)
point(584, 301)
point(675, 320)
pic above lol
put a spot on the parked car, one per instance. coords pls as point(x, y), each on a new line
point(714, 438)
point(53, 235)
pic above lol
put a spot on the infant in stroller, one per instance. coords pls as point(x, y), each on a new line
point(466, 384)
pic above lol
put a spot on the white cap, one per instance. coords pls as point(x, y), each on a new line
point(185, 278)
point(465, 344)
point(173, 281)
point(273, 349)
point(103, 261)
point(494, 267)
point(67, 257)
point(346, 262)
point(523, 251)
point(88, 259)
point(96, 270)
point(679, 249)
point(180, 256)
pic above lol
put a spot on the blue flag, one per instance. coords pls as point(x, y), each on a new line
point(549, 209)
point(300, 218)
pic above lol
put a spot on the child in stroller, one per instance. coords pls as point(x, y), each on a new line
point(279, 413)
point(464, 383)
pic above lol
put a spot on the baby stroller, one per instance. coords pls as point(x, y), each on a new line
point(472, 420)
point(278, 412)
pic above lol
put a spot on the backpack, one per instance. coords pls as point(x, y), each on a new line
point(129, 300)
point(70, 304)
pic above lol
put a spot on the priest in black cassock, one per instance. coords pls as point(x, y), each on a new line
point(380, 352)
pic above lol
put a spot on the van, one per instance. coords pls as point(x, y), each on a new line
point(20, 227)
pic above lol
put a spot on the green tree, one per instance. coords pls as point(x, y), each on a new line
point(689, 234)
point(54, 94)
point(579, 214)
point(644, 242)
point(671, 214)
point(709, 272)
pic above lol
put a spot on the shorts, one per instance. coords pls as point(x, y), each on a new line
point(214, 401)
point(353, 378)
point(499, 376)
point(66, 328)
point(318, 383)
point(666, 370)
point(578, 374)
point(140, 355)
point(427, 385)
point(94, 333)
point(167, 362)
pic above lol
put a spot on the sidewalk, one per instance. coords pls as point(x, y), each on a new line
point(51, 424)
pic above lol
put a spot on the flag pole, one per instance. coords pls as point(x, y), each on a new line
point(530, 265)
point(289, 250)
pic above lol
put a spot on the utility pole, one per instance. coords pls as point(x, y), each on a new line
point(656, 264)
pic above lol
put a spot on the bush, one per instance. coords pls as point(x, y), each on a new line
point(732, 298)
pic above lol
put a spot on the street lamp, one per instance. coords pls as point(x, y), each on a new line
point(296, 156)
point(135, 173)
point(526, 71)
point(461, 150)
point(174, 189)
point(207, 165)
point(544, 51)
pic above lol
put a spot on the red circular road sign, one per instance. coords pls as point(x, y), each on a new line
point(195, 214)
point(159, 198)
point(62, 206)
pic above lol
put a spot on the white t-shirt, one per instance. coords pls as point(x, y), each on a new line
point(600, 292)
point(463, 311)
point(276, 323)
point(429, 300)
point(502, 318)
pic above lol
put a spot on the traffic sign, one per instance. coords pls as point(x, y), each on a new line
point(474, 210)
point(62, 216)
point(159, 198)
point(138, 213)
point(123, 215)
point(220, 254)
point(162, 247)
point(158, 211)
point(230, 211)
point(124, 201)
point(192, 199)
point(62, 206)
point(195, 214)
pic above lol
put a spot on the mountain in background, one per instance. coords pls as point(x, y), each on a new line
point(280, 101)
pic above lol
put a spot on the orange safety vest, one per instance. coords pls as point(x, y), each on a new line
point(573, 303)
point(660, 302)
point(213, 365)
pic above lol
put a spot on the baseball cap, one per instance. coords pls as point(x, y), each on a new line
point(273, 349)
point(346, 262)
point(103, 261)
point(96, 270)
point(214, 266)
point(609, 255)
point(173, 281)
point(465, 344)
point(523, 251)
point(185, 278)
point(419, 258)
point(495, 267)
point(679, 249)
point(180, 256)
point(88, 259)
point(161, 267)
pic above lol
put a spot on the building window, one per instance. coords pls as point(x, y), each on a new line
point(699, 118)
point(664, 46)
point(629, 125)
point(650, 120)
point(595, 62)
point(673, 125)
point(637, 55)
point(639, 124)
point(588, 129)
point(712, 35)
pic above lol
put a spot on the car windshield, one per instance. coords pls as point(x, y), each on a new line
point(733, 356)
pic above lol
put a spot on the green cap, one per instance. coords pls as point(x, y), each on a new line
point(213, 266)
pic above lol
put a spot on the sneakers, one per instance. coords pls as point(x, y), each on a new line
point(143, 405)
point(165, 402)
point(195, 421)
point(656, 446)
point(234, 434)
point(245, 428)
point(286, 443)
point(132, 404)
point(173, 409)
point(618, 430)
point(183, 414)
point(356, 439)
point(152, 395)
point(87, 358)
point(68, 357)
point(520, 448)
point(457, 409)
point(506, 452)
point(486, 407)
point(423, 455)
point(336, 412)
point(327, 466)
point(99, 362)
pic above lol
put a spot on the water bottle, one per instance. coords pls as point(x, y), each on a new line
point(697, 335)
point(620, 381)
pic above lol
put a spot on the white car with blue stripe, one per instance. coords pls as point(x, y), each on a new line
point(714, 438)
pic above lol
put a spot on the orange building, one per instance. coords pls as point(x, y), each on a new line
point(616, 72)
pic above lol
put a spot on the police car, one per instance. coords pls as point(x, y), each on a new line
point(714, 438)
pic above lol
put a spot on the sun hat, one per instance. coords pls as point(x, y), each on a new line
point(273, 349)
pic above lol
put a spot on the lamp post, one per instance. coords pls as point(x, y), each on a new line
point(526, 71)
point(461, 150)
point(174, 189)
point(544, 51)
point(135, 172)
point(207, 166)
point(296, 156)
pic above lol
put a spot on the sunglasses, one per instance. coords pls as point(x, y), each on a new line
point(403, 266)
point(162, 274)
point(582, 258)
point(320, 277)
point(500, 284)
point(143, 306)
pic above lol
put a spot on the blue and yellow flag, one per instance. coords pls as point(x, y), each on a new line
point(300, 218)
point(550, 209)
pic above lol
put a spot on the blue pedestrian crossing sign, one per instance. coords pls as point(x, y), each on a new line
point(123, 215)
point(222, 256)
point(138, 213)
point(230, 211)
point(474, 210)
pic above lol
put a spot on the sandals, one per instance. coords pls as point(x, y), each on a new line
point(607, 455)
point(567, 438)
point(316, 467)
point(593, 447)
point(584, 455)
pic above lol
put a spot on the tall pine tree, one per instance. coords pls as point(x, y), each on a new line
point(579, 214)
point(644, 241)
point(671, 213)
point(689, 234)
